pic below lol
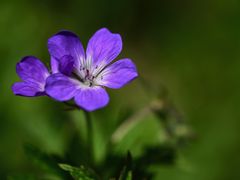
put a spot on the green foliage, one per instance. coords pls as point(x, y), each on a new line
point(80, 173)
point(126, 173)
point(113, 166)
point(22, 177)
point(44, 161)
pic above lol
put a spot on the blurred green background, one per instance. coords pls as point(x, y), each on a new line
point(191, 47)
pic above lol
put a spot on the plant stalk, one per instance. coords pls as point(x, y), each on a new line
point(89, 126)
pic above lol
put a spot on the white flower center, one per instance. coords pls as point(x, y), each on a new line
point(88, 73)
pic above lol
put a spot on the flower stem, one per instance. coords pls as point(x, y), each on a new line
point(89, 136)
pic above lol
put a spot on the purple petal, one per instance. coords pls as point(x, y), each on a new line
point(31, 69)
point(118, 74)
point(92, 98)
point(61, 87)
point(27, 89)
point(66, 65)
point(66, 43)
point(54, 65)
point(103, 47)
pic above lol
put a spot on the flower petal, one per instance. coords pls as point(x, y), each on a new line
point(27, 89)
point(66, 43)
point(103, 47)
point(66, 65)
point(61, 87)
point(92, 98)
point(54, 65)
point(118, 74)
point(31, 69)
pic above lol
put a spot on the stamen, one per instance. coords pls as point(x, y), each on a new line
point(77, 77)
point(85, 73)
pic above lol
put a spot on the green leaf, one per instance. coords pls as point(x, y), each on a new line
point(80, 173)
point(126, 173)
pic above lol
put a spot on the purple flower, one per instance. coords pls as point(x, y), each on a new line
point(34, 74)
point(83, 76)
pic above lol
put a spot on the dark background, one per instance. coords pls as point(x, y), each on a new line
point(191, 47)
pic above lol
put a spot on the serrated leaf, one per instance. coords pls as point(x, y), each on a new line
point(80, 173)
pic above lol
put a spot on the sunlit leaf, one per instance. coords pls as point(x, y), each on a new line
point(80, 173)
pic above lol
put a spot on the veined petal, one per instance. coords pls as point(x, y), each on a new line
point(27, 89)
point(103, 47)
point(91, 98)
point(54, 65)
point(30, 69)
point(61, 87)
point(118, 74)
point(66, 43)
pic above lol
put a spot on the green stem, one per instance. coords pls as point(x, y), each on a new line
point(89, 136)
